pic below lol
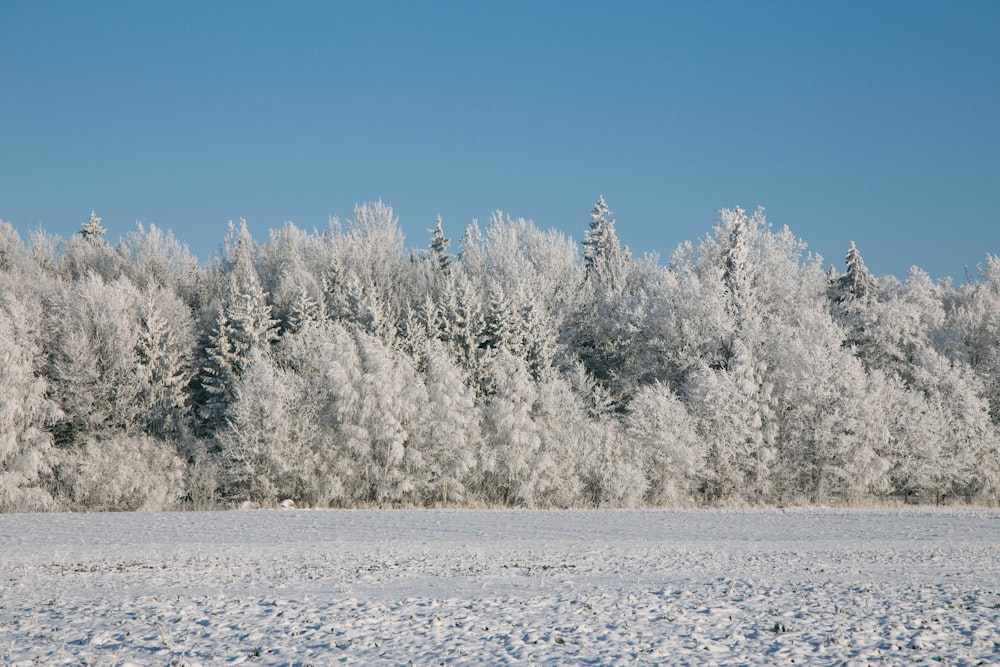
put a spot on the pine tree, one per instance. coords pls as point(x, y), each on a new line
point(88, 252)
point(164, 363)
point(464, 320)
point(305, 312)
point(438, 252)
point(243, 327)
point(92, 229)
point(738, 268)
point(857, 284)
point(854, 302)
point(603, 254)
point(502, 329)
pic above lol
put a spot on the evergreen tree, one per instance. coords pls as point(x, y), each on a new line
point(857, 284)
point(602, 322)
point(165, 355)
point(92, 229)
point(438, 251)
point(243, 327)
point(87, 251)
point(603, 254)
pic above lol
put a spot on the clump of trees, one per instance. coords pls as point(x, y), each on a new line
point(337, 368)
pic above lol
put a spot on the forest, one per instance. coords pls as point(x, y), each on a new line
point(514, 367)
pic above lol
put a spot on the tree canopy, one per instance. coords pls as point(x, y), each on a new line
point(337, 368)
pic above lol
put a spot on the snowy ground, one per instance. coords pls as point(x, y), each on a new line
point(501, 587)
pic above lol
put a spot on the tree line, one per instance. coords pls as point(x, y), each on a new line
point(515, 367)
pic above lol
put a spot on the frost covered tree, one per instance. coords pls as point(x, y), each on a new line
point(361, 403)
point(14, 256)
point(857, 284)
point(369, 283)
point(389, 412)
point(608, 471)
point(92, 230)
point(27, 411)
point(511, 457)
point(774, 392)
point(267, 447)
point(603, 254)
point(449, 430)
point(26, 415)
point(854, 298)
point(729, 406)
point(108, 379)
point(943, 442)
point(463, 323)
point(91, 341)
point(335, 368)
point(583, 457)
point(122, 472)
point(741, 435)
point(152, 257)
point(320, 370)
point(978, 320)
point(604, 318)
point(670, 451)
point(437, 253)
point(520, 281)
point(735, 231)
point(292, 266)
point(87, 251)
point(833, 418)
point(165, 352)
point(243, 327)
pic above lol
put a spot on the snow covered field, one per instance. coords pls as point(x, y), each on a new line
point(499, 587)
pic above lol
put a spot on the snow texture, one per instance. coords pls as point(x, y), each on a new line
point(502, 587)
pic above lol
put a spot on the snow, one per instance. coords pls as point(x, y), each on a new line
point(429, 587)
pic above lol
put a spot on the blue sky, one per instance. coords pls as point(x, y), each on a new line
point(864, 121)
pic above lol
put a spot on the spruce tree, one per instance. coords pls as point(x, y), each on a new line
point(603, 254)
point(857, 284)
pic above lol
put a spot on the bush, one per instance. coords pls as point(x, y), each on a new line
point(122, 473)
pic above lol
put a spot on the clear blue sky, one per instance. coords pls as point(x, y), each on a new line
point(877, 122)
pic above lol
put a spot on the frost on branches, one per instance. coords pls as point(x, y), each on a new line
point(338, 368)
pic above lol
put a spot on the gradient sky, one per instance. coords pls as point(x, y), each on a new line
point(877, 122)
